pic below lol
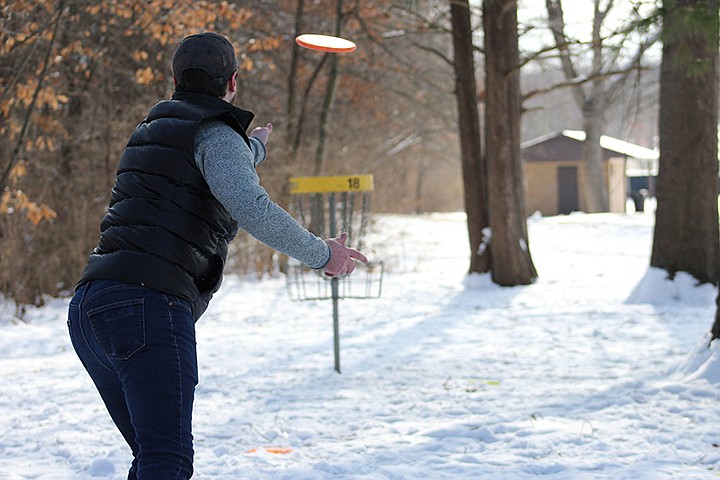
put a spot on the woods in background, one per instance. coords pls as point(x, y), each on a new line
point(77, 76)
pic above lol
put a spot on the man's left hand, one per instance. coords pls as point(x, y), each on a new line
point(262, 133)
point(342, 258)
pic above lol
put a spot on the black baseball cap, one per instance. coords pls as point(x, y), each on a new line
point(209, 52)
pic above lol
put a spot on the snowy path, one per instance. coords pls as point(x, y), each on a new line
point(444, 377)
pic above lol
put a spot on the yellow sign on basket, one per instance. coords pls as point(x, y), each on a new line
point(335, 183)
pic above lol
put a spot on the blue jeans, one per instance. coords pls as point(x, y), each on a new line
point(138, 345)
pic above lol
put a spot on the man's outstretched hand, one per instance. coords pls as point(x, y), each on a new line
point(342, 258)
point(262, 133)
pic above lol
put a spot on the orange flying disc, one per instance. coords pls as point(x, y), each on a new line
point(325, 43)
point(275, 450)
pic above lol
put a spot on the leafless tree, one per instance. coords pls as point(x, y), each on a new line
point(595, 90)
point(473, 166)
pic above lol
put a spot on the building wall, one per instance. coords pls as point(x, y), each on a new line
point(542, 186)
point(617, 185)
point(541, 177)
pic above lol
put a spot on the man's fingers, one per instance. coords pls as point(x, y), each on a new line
point(355, 254)
point(342, 258)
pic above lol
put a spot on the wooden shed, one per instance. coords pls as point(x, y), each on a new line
point(553, 165)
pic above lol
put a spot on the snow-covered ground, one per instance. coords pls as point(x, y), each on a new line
point(599, 370)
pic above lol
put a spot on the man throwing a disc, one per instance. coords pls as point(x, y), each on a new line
point(185, 184)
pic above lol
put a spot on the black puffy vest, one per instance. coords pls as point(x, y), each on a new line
point(164, 229)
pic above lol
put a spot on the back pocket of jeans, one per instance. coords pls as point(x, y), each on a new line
point(119, 327)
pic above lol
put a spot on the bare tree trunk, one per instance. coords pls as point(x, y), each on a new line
point(686, 223)
point(330, 92)
point(594, 96)
point(595, 192)
point(291, 107)
point(296, 140)
point(473, 167)
point(512, 264)
point(325, 114)
point(593, 113)
point(421, 170)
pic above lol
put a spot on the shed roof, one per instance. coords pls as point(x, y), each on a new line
point(567, 146)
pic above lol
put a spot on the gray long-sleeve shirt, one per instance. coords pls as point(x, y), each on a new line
point(228, 166)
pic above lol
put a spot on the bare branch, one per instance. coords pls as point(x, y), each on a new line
point(21, 137)
point(634, 62)
point(21, 68)
point(393, 53)
point(432, 50)
point(538, 55)
point(557, 26)
point(581, 80)
point(304, 103)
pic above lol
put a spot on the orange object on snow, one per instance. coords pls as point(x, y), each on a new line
point(275, 450)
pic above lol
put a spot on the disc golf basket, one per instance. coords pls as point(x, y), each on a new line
point(328, 206)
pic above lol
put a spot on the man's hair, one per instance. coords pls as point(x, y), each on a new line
point(196, 80)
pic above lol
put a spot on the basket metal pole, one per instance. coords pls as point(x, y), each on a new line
point(334, 287)
point(316, 187)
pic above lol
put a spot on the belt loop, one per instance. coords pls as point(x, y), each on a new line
point(85, 287)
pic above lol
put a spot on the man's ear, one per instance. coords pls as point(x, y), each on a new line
point(174, 81)
point(232, 83)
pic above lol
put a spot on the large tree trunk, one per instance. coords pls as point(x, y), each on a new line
point(473, 169)
point(595, 190)
point(512, 264)
point(686, 237)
